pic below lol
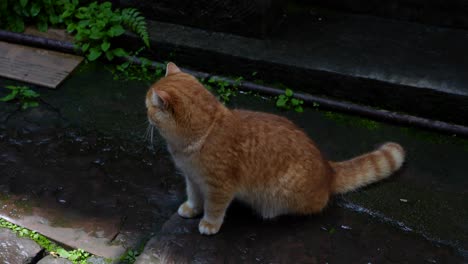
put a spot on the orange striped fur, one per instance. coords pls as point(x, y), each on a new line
point(262, 159)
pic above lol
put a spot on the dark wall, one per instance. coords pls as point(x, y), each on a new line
point(447, 13)
point(253, 18)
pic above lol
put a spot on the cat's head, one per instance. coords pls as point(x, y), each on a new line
point(179, 106)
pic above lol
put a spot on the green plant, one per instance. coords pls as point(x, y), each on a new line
point(288, 102)
point(352, 120)
point(136, 22)
point(14, 14)
point(129, 256)
point(222, 87)
point(76, 256)
point(140, 72)
point(26, 97)
point(96, 24)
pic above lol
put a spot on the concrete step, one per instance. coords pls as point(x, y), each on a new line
point(399, 66)
point(447, 13)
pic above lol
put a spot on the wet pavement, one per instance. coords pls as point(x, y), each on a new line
point(334, 236)
point(79, 181)
point(79, 169)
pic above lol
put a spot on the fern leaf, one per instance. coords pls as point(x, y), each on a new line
point(136, 22)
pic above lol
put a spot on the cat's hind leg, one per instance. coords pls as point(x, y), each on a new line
point(216, 202)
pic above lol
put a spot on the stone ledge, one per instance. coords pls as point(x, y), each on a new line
point(334, 236)
point(388, 64)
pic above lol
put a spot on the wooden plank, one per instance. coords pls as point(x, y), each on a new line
point(33, 65)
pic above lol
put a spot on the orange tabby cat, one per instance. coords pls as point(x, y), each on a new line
point(259, 158)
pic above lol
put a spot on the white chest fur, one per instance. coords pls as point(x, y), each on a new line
point(188, 165)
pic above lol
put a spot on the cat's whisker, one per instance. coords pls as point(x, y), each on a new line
point(141, 124)
point(152, 135)
point(147, 132)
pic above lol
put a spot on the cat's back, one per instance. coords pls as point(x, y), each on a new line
point(272, 133)
point(254, 120)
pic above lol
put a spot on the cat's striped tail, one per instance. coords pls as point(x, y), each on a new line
point(367, 168)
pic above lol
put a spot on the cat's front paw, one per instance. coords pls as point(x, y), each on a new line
point(186, 210)
point(207, 228)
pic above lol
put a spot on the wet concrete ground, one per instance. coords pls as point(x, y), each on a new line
point(79, 168)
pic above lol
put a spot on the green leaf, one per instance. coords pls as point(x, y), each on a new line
point(85, 47)
point(94, 53)
point(109, 55)
point(17, 24)
point(281, 102)
point(82, 13)
point(74, 256)
point(71, 27)
point(33, 104)
point(119, 52)
point(30, 94)
point(54, 19)
point(79, 37)
point(105, 45)
point(124, 65)
point(299, 109)
point(288, 92)
point(116, 30)
point(68, 12)
point(35, 9)
point(96, 35)
point(23, 3)
point(295, 101)
point(63, 253)
point(42, 26)
point(9, 97)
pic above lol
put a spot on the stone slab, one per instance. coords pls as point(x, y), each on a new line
point(17, 250)
point(53, 260)
point(335, 236)
point(76, 237)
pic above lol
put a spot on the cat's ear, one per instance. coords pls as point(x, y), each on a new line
point(171, 68)
point(160, 99)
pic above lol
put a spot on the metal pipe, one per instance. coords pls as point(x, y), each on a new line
point(325, 103)
point(36, 41)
